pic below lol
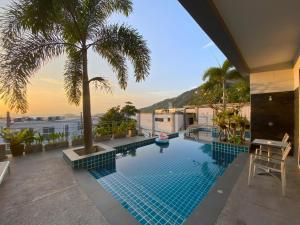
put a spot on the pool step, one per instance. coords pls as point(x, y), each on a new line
point(143, 205)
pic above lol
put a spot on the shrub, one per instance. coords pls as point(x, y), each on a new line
point(232, 125)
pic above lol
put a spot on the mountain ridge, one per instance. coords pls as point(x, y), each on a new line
point(175, 102)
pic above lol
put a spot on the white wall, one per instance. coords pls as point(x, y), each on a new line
point(205, 116)
point(165, 126)
point(272, 81)
point(146, 121)
point(179, 122)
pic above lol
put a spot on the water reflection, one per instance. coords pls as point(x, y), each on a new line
point(162, 146)
point(222, 158)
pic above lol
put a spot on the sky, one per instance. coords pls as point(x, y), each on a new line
point(180, 53)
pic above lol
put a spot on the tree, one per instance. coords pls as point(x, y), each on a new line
point(207, 94)
point(239, 92)
point(112, 115)
point(220, 76)
point(35, 31)
point(129, 110)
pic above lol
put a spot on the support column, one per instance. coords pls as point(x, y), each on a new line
point(139, 122)
point(173, 122)
point(153, 123)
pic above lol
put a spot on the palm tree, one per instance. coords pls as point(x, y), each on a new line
point(221, 75)
point(35, 31)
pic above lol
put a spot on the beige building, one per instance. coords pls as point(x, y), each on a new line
point(176, 119)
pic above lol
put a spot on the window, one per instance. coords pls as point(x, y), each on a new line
point(169, 119)
point(67, 130)
point(159, 119)
point(48, 130)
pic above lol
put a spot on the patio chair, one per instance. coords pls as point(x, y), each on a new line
point(264, 149)
point(270, 164)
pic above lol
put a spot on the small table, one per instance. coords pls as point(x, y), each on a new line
point(270, 143)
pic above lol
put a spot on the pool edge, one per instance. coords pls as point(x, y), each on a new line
point(111, 209)
point(207, 212)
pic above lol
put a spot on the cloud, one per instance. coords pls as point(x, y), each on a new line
point(209, 44)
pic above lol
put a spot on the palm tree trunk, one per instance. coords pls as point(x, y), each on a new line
point(86, 104)
point(224, 100)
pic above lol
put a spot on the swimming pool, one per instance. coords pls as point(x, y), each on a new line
point(162, 185)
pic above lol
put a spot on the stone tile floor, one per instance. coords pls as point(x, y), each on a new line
point(42, 189)
point(262, 202)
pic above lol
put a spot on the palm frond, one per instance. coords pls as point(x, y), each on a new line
point(213, 73)
point(116, 60)
point(101, 83)
point(73, 77)
point(234, 75)
point(124, 42)
point(101, 10)
point(22, 56)
point(35, 16)
point(227, 65)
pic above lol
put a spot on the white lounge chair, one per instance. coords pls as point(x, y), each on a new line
point(270, 164)
point(4, 170)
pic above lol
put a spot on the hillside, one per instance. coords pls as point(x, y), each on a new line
point(176, 102)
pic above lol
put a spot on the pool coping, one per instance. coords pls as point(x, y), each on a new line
point(208, 211)
point(110, 208)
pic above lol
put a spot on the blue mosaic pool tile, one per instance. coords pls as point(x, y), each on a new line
point(159, 191)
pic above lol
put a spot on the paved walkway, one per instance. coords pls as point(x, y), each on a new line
point(42, 190)
point(262, 202)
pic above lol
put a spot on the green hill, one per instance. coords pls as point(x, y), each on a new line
point(176, 102)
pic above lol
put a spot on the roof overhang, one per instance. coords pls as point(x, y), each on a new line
point(254, 35)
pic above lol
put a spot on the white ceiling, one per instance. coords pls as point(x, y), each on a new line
point(266, 32)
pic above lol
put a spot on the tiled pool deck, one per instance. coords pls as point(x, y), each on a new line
point(43, 189)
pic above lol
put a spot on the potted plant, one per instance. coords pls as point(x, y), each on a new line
point(32, 144)
point(120, 131)
point(56, 141)
point(131, 126)
point(77, 140)
point(15, 140)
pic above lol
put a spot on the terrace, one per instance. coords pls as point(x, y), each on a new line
point(43, 189)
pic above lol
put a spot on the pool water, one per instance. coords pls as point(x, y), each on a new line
point(162, 185)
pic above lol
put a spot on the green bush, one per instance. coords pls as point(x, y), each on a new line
point(39, 139)
point(14, 137)
point(103, 131)
point(131, 125)
point(232, 125)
